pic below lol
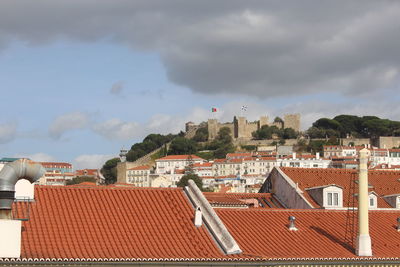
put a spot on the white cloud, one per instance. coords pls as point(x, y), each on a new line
point(93, 161)
point(116, 129)
point(68, 122)
point(8, 132)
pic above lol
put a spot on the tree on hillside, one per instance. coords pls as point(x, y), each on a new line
point(109, 170)
point(223, 143)
point(325, 123)
point(184, 181)
point(182, 146)
point(266, 132)
point(278, 120)
point(201, 135)
point(81, 179)
point(149, 144)
point(289, 133)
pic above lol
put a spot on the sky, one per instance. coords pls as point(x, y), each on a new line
point(79, 80)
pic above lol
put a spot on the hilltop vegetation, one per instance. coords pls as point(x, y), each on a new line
point(329, 130)
point(359, 127)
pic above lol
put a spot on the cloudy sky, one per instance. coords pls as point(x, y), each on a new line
point(80, 79)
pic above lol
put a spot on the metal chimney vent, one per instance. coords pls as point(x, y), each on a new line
point(292, 224)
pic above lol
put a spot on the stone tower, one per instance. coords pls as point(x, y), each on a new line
point(212, 128)
point(240, 127)
point(292, 121)
point(263, 121)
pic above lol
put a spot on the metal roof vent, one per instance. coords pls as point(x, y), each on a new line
point(398, 224)
point(292, 223)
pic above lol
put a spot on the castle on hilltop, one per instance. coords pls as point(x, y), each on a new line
point(242, 129)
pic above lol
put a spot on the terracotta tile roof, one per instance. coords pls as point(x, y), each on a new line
point(90, 172)
point(56, 164)
point(320, 233)
point(143, 167)
point(205, 164)
point(382, 182)
point(112, 222)
point(179, 157)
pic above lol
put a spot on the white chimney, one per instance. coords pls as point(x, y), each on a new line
point(198, 217)
point(363, 245)
point(317, 155)
point(294, 155)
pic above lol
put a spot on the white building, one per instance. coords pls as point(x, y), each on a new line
point(139, 176)
point(170, 164)
point(304, 161)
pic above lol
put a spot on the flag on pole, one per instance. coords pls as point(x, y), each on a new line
point(244, 108)
point(213, 109)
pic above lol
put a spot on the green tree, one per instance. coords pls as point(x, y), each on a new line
point(325, 123)
point(201, 135)
point(109, 170)
point(184, 181)
point(81, 179)
point(289, 133)
point(182, 146)
point(149, 144)
point(266, 132)
point(223, 143)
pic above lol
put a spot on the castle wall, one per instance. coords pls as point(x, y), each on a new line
point(355, 141)
point(389, 141)
point(250, 128)
point(263, 121)
point(213, 128)
point(292, 121)
point(242, 129)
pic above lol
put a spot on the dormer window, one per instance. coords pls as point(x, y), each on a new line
point(333, 199)
point(372, 201)
point(327, 196)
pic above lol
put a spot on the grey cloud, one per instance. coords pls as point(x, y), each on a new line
point(260, 48)
point(8, 132)
point(68, 122)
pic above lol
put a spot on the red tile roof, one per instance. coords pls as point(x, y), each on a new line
point(56, 164)
point(143, 167)
point(383, 182)
point(114, 222)
point(204, 164)
point(179, 157)
point(89, 172)
point(264, 233)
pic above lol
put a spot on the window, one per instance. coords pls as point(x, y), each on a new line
point(333, 199)
point(371, 202)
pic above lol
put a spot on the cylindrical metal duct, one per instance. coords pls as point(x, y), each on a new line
point(11, 173)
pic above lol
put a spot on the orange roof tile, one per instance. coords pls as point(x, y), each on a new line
point(143, 167)
point(320, 233)
point(113, 222)
point(384, 183)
